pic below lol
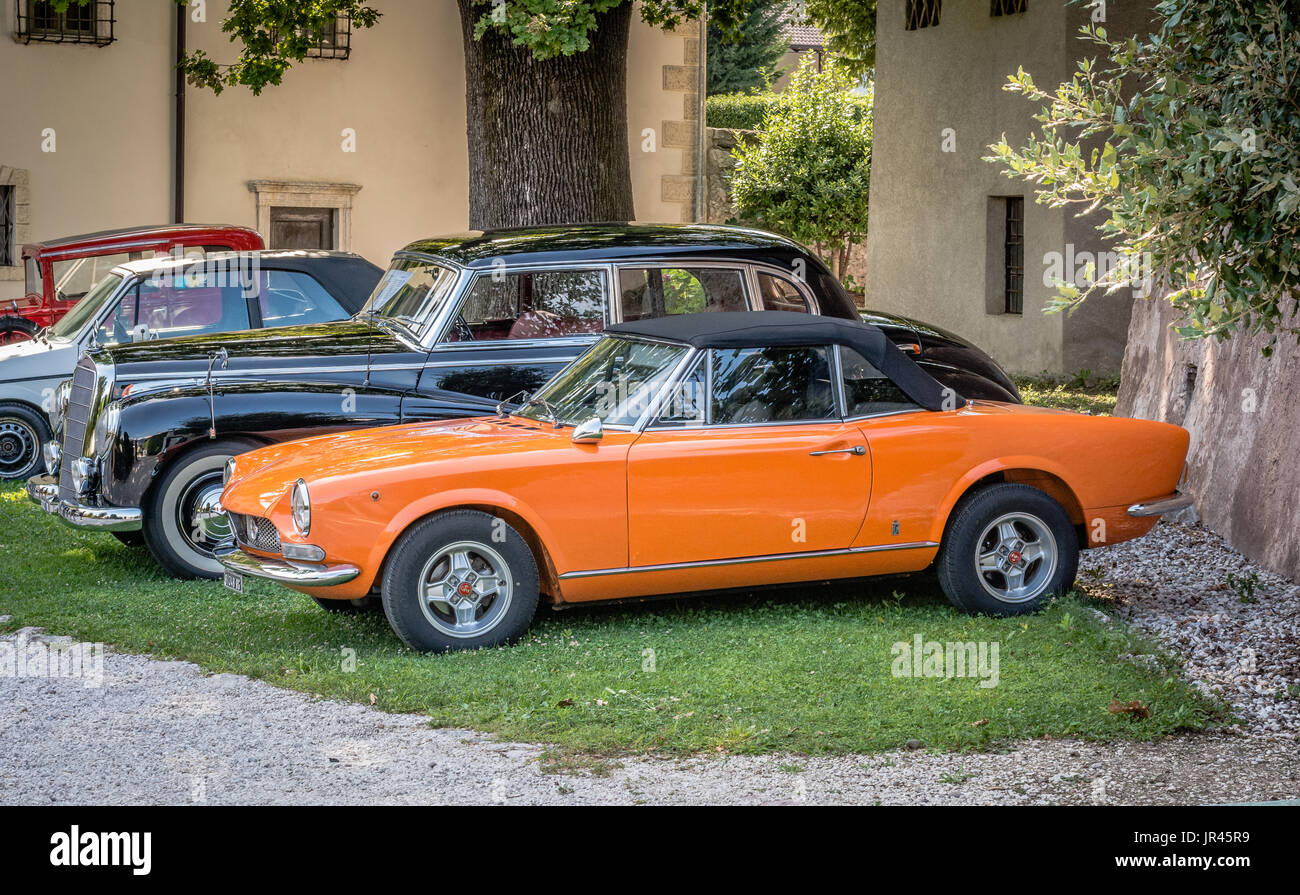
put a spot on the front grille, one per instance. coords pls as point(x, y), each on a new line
point(264, 538)
point(74, 427)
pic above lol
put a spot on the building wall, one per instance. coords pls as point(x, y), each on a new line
point(929, 253)
point(401, 94)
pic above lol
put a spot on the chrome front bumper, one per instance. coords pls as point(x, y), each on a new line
point(44, 490)
point(300, 574)
point(1171, 504)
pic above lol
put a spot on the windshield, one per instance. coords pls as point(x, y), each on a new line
point(411, 293)
point(616, 380)
point(74, 320)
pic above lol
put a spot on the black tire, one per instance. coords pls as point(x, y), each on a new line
point(361, 604)
point(485, 542)
point(16, 329)
point(187, 553)
point(23, 434)
point(130, 538)
point(975, 536)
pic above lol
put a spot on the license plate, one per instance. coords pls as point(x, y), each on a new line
point(233, 581)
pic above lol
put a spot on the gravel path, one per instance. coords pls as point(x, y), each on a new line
point(165, 732)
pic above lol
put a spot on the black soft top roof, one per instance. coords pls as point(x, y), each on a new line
point(752, 329)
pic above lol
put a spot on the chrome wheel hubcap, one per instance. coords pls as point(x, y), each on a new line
point(1015, 557)
point(206, 527)
point(17, 447)
point(465, 589)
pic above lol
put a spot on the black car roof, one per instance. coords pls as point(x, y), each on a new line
point(751, 329)
point(348, 277)
point(600, 242)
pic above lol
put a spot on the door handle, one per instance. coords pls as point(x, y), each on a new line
point(857, 450)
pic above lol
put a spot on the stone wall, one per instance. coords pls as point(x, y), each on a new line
point(1243, 412)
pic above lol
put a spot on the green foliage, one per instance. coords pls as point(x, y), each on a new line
point(1092, 395)
point(1189, 140)
point(849, 27)
point(740, 111)
point(807, 174)
point(751, 62)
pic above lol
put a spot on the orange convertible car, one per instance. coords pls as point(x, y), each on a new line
point(692, 453)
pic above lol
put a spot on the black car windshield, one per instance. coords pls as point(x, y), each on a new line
point(615, 380)
point(410, 293)
point(71, 323)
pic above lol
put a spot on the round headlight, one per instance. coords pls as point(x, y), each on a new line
point(228, 471)
point(300, 506)
point(106, 428)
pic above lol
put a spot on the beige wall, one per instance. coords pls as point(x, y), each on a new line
point(927, 253)
point(402, 92)
point(111, 117)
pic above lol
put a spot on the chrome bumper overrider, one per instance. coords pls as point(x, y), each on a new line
point(1171, 504)
point(44, 490)
point(302, 574)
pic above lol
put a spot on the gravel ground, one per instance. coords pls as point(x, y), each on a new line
point(166, 732)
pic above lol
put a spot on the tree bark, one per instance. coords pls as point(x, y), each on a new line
point(547, 140)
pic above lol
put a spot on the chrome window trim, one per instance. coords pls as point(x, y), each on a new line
point(748, 560)
point(873, 416)
point(471, 275)
point(800, 286)
point(681, 264)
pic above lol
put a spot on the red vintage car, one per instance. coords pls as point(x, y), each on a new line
point(61, 271)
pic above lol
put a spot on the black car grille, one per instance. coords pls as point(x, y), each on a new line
point(265, 537)
point(74, 426)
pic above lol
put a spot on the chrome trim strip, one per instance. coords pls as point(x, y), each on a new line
point(302, 574)
point(747, 560)
point(1172, 504)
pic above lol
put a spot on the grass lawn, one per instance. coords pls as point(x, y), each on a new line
point(1081, 393)
point(805, 671)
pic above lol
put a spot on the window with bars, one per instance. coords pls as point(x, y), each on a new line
point(922, 14)
point(88, 23)
point(8, 228)
point(1014, 256)
point(1007, 7)
point(334, 40)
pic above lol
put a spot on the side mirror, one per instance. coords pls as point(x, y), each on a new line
point(588, 431)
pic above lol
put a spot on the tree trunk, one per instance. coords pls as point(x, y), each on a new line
point(547, 140)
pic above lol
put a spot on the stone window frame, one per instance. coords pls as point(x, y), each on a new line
point(307, 194)
point(19, 179)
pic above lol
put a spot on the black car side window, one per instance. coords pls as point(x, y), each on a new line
point(535, 305)
point(771, 385)
point(779, 294)
point(867, 391)
point(646, 292)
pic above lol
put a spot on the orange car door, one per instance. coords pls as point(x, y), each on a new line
point(706, 494)
point(768, 469)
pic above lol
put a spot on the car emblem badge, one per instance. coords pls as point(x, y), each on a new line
point(465, 589)
point(1015, 557)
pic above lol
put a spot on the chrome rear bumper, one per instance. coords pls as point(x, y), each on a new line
point(1171, 504)
point(301, 574)
point(44, 490)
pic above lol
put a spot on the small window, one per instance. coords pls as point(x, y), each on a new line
point(74, 278)
point(8, 228)
point(664, 291)
point(922, 14)
point(334, 40)
point(771, 385)
point(1007, 7)
point(291, 298)
point(184, 306)
point(1014, 250)
point(82, 23)
point(868, 391)
point(687, 404)
point(539, 305)
point(779, 294)
point(303, 228)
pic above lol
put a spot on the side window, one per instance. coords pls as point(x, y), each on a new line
point(686, 406)
point(73, 279)
point(538, 305)
point(162, 308)
point(291, 298)
point(768, 385)
point(779, 294)
point(663, 291)
point(867, 390)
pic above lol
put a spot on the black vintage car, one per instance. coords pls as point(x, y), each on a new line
point(457, 325)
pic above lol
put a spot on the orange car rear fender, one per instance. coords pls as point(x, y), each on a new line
point(1057, 486)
